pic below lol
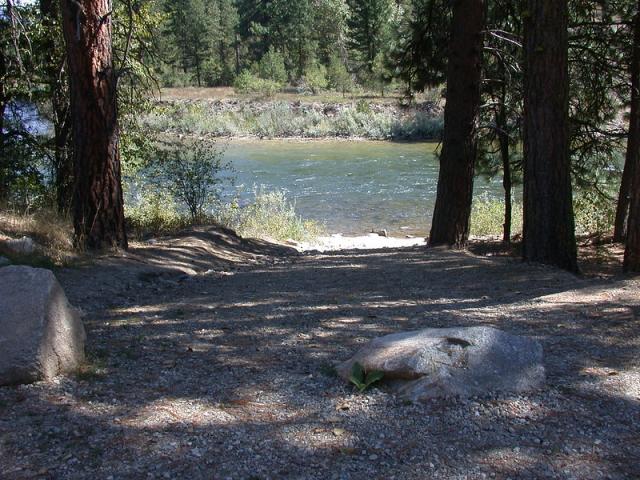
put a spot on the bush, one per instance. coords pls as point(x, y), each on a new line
point(154, 213)
point(338, 76)
point(316, 78)
point(420, 127)
point(271, 67)
point(270, 216)
point(279, 119)
point(594, 213)
point(212, 72)
point(487, 217)
point(246, 82)
point(191, 173)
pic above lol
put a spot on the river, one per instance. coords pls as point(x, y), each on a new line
point(350, 186)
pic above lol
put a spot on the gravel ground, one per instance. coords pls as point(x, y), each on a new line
point(227, 373)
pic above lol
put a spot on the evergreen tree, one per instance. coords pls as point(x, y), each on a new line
point(419, 49)
point(98, 201)
point(452, 211)
point(368, 29)
point(632, 252)
point(192, 26)
point(549, 233)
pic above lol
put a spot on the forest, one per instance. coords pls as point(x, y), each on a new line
point(551, 130)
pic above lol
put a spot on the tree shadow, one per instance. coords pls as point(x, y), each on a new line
point(228, 375)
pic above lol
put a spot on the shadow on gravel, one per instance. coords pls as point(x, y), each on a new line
point(228, 375)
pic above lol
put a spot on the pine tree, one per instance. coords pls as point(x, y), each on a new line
point(452, 211)
point(98, 200)
point(549, 232)
point(368, 29)
point(632, 252)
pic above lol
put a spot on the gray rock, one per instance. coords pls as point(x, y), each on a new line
point(4, 261)
point(22, 246)
point(444, 362)
point(41, 335)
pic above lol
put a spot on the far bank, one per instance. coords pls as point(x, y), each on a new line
point(216, 113)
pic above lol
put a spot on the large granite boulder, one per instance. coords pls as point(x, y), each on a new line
point(41, 335)
point(445, 362)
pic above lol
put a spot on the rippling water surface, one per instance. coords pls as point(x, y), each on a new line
point(352, 187)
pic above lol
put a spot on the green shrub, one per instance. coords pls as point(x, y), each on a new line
point(212, 72)
point(316, 78)
point(362, 106)
point(594, 213)
point(338, 77)
point(281, 120)
point(154, 213)
point(247, 82)
point(271, 67)
point(272, 216)
point(487, 217)
point(422, 126)
point(191, 173)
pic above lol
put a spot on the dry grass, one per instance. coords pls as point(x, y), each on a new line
point(52, 233)
point(222, 93)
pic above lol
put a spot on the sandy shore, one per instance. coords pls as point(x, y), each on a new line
point(372, 241)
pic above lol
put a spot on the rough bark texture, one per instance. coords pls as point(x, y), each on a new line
point(632, 252)
point(505, 155)
point(98, 203)
point(549, 229)
point(633, 142)
point(452, 211)
point(3, 105)
point(503, 138)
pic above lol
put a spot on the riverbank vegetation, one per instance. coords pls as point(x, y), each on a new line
point(294, 120)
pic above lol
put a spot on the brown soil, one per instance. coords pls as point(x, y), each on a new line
point(211, 357)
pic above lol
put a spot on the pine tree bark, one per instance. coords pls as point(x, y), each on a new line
point(549, 228)
point(450, 225)
point(633, 141)
point(98, 200)
point(503, 139)
point(632, 252)
point(3, 104)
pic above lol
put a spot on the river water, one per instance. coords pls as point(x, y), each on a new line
point(351, 187)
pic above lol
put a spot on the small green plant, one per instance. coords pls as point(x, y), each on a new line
point(362, 379)
point(93, 369)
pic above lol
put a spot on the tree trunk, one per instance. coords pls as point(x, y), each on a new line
point(237, 46)
point(3, 105)
point(633, 141)
point(632, 253)
point(98, 203)
point(549, 229)
point(505, 156)
point(622, 208)
point(503, 139)
point(452, 211)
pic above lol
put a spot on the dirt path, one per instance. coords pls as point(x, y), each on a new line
point(226, 373)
